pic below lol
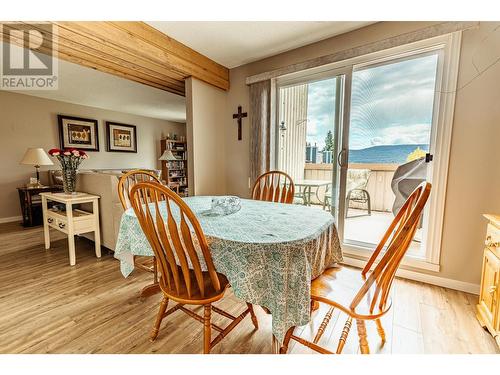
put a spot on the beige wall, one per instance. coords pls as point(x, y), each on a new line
point(205, 109)
point(474, 173)
point(27, 121)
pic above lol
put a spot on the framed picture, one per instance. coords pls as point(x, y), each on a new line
point(121, 137)
point(78, 132)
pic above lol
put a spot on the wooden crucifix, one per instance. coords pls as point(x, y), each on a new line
point(240, 115)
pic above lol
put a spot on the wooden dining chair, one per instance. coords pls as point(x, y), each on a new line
point(128, 180)
point(274, 186)
point(125, 184)
point(188, 275)
point(364, 294)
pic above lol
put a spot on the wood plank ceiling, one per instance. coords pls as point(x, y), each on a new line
point(132, 50)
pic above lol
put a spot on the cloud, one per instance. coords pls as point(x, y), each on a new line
point(320, 110)
point(390, 104)
point(393, 104)
point(312, 128)
point(403, 135)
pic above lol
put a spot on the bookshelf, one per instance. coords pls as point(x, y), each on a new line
point(174, 172)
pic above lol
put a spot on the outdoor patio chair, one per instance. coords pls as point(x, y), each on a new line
point(357, 180)
point(298, 196)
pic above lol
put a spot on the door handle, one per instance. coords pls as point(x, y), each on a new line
point(340, 160)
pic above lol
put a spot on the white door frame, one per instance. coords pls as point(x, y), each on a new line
point(444, 104)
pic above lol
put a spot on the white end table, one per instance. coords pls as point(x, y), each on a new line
point(72, 221)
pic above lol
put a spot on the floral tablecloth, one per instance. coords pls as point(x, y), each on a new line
point(268, 251)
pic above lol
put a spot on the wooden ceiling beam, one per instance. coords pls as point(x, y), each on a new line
point(141, 40)
point(124, 55)
point(172, 46)
point(75, 50)
point(80, 57)
point(136, 51)
point(103, 66)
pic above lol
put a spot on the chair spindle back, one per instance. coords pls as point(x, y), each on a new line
point(128, 180)
point(398, 238)
point(274, 186)
point(174, 234)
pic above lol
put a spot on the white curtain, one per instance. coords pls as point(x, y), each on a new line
point(262, 131)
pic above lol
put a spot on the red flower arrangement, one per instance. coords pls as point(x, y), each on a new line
point(74, 152)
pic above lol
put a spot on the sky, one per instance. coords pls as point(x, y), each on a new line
point(391, 104)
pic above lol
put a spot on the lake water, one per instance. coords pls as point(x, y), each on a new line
point(396, 154)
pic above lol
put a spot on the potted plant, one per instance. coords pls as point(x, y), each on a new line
point(70, 159)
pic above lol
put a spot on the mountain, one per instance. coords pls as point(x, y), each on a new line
point(384, 154)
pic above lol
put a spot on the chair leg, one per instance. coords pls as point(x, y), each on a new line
point(159, 318)
point(314, 306)
point(343, 336)
point(380, 330)
point(347, 201)
point(155, 270)
point(286, 340)
point(326, 204)
point(363, 342)
point(323, 324)
point(266, 310)
point(253, 316)
point(206, 328)
point(368, 201)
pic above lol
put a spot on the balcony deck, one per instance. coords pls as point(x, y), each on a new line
point(359, 227)
point(369, 229)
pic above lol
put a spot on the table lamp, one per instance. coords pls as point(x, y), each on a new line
point(36, 157)
point(167, 155)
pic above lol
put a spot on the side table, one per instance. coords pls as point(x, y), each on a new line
point(73, 221)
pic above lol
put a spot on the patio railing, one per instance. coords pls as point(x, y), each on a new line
point(379, 182)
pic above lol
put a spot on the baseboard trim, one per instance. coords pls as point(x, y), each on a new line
point(10, 219)
point(424, 278)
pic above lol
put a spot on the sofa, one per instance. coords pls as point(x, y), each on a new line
point(104, 183)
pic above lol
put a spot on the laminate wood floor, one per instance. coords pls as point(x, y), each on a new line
point(46, 306)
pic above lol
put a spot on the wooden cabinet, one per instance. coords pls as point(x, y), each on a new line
point(488, 308)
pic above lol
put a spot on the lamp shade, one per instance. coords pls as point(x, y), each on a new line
point(36, 156)
point(167, 155)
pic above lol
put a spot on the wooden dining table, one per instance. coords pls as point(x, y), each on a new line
point(269, 252)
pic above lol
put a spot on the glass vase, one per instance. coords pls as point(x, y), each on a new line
point(69, 180)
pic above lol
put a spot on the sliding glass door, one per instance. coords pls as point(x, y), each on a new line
point(389, 149)
point(358, 138)
point(310, 121)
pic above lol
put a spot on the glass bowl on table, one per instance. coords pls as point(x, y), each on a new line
point(224, 205)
